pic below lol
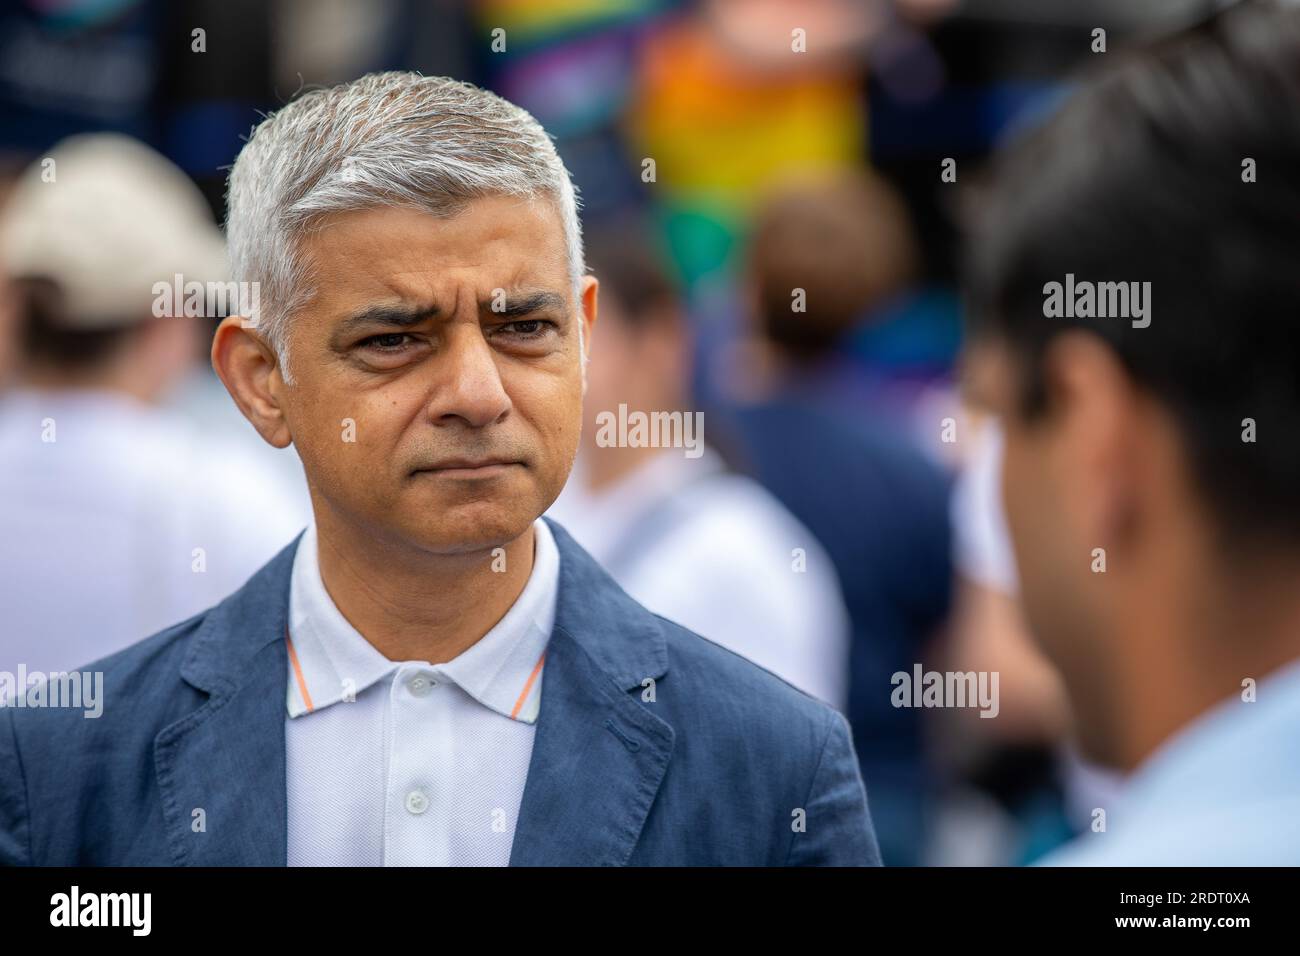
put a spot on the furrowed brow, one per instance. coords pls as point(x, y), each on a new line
point(399, 316)
point(524, 304)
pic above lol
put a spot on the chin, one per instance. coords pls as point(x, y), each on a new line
point(468, 527)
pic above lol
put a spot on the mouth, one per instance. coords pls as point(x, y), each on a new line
point(465, 468)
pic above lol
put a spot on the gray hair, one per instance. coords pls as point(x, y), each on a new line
point(387, 139)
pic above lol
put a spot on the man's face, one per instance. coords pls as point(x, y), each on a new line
point(1054, 506)
point(437, 372)
point(1051, 550)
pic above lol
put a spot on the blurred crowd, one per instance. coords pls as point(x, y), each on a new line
point(719, 177)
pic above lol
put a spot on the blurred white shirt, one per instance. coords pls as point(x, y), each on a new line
point(714, 552)
point(129, 521)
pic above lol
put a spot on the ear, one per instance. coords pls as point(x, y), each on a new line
point(249, 369)
point(587, 298)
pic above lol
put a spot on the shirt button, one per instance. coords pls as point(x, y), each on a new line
point(416, 802)
point(421, 685)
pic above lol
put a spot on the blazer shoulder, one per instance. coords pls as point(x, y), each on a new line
point(139, 665)
point(750, 738)
point(715, 684)
point(114, 692)
point(72, 754)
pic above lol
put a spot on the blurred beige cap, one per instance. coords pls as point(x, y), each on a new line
point(107, 220)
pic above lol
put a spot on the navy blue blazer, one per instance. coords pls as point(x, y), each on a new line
point(727, 765)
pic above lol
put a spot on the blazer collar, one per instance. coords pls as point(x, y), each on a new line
point(598, 756)
point(624, 640)
point(221, 768)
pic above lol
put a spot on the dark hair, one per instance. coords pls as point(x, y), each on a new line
point(46, 337)
point(1139, 178)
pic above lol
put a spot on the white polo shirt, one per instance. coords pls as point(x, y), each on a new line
point(407, 763)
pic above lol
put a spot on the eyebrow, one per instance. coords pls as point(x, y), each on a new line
point(403, 316)
point(396, 315)
point(525, 304)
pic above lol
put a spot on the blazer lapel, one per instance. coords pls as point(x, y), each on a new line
point(221, 768)
point(599, 756)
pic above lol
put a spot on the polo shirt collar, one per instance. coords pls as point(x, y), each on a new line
point(330, 661)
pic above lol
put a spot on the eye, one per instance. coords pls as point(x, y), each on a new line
point(528, 328)
point(386, 342)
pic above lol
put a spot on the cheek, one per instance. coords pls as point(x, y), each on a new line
point(552, 405)
point(1028, 518)
point(1014, 483)
point(341, 436)
point(1049, 558)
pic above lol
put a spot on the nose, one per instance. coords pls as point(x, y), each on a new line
point(470, 392)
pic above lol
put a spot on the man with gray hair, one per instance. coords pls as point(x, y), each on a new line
point(432, 673)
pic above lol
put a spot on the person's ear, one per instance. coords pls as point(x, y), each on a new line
point(587, 297)
point(586, 316)
point(248, 368)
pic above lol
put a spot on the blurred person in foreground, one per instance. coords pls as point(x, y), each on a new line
point(116, 517)
point(8, 310)
point(807, 430)
point(685, 536)
point(1160, 438)
point(432, 673)
point(1016, 787)
point(8, 329)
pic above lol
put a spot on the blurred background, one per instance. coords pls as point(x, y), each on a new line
point(718, 172)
